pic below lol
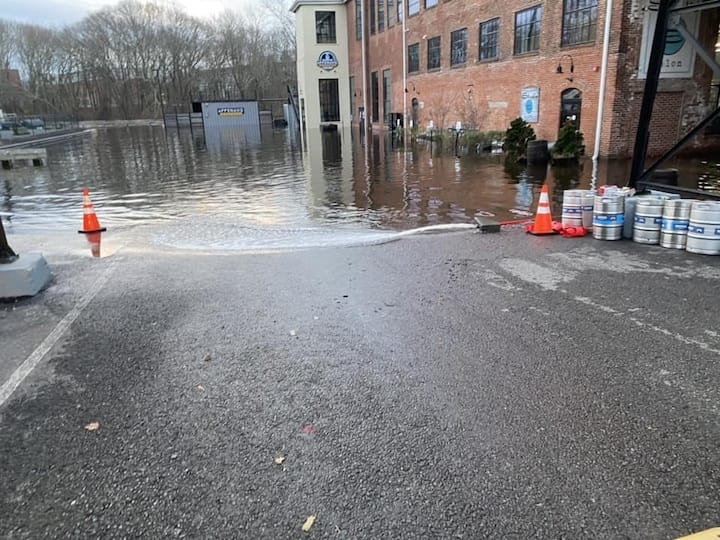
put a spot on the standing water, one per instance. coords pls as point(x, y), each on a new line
point(231, 193)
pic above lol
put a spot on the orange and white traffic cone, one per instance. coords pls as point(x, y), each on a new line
point(543, 219)
point(90, 220)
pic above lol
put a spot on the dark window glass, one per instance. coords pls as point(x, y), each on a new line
point(527, 30)
point(579, 21)
point(400, 10)
point(381, 15)
point(391, 13)
point(458, 47)
point(325, 26)
point(489, 39)
point(433, 53)
point(358, 19)
point(374, 90)
point(387, 95)
point(329, 100)
point(371, 7)
point(353, 97)
point(413, 58)
point(413, 7)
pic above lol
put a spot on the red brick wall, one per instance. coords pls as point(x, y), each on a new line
point(492, 89)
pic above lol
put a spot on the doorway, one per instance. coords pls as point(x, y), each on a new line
point(570, 107)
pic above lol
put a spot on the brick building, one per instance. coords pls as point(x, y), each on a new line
point(485, 63)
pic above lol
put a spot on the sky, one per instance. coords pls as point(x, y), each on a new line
point(63, 12)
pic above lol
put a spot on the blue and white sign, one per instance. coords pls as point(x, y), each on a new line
point(679, 55)
point(327, 61)
point(530, 104)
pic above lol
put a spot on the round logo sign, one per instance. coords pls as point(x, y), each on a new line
point(327, 60)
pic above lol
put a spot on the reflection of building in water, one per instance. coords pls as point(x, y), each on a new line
point(329, 170)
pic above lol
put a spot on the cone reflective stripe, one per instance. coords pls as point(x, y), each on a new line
point(543, 218)
point(90, 220)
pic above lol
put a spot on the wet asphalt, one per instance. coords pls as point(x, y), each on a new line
point(449, 386)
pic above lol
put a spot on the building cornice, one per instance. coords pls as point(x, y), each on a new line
point(299, 3)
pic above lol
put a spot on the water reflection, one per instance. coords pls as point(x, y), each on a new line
point(94, 240)
point(241, 182)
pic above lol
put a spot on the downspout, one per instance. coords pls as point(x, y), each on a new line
point(603, 83)
point(364, 67)
point(404, 77)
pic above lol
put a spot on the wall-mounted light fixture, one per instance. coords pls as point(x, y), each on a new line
point(559, 68)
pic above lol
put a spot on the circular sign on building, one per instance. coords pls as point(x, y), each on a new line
point(327, 60)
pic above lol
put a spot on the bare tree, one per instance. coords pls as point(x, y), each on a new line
point(126, 60)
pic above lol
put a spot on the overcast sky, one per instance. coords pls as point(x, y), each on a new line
point(62, 12)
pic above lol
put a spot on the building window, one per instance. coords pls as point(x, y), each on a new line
point(391, 13)
point(489, 39)
point(433, 52)
point(413, 7)
point(381, 15)
point(387, 95)
point(400, 10)
point(374, 91)
point(325, 26)
point(458, 47)
point(430, 3)
point(527, 30)
point(579, 21)
point(413, 58)
point(371, 8)
point(329, 100)
point(353, 97)
point(358, 19)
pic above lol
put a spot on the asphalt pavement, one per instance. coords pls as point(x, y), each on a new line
point(445, 386)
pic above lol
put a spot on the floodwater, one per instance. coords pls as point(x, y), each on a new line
point(232, 192)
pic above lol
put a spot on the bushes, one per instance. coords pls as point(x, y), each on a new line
point(569, 144)
point(517, 137)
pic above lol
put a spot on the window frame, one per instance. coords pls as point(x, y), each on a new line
point(581, 28)
point(331, 31)
point(495, 34)
point(531, 39)
point(410, 63)
point(431, 49)
point(412, 3)
point(453, 41)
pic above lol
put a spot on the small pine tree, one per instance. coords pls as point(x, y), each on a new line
point(517, 137)
point(570, 142)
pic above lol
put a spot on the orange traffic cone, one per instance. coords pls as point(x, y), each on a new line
point(543, 218)
point(90, 220)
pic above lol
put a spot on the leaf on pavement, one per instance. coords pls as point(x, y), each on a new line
point(280, 460)
point(308, 524)
point(92, 426)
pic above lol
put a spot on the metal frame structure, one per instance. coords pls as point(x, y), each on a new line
point(667, 15)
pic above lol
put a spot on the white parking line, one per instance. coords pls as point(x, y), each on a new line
point(19, 375)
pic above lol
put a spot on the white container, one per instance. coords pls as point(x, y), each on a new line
point(704, 228)
point(647, 220)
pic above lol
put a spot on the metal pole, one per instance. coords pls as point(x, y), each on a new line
point(603, 81)
point(365, 123)
point(404, 76)
point(7, 255)
point(642, 135)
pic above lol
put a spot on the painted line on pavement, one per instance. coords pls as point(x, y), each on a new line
point(19, 375)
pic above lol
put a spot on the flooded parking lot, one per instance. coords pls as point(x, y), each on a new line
point(232, 193)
